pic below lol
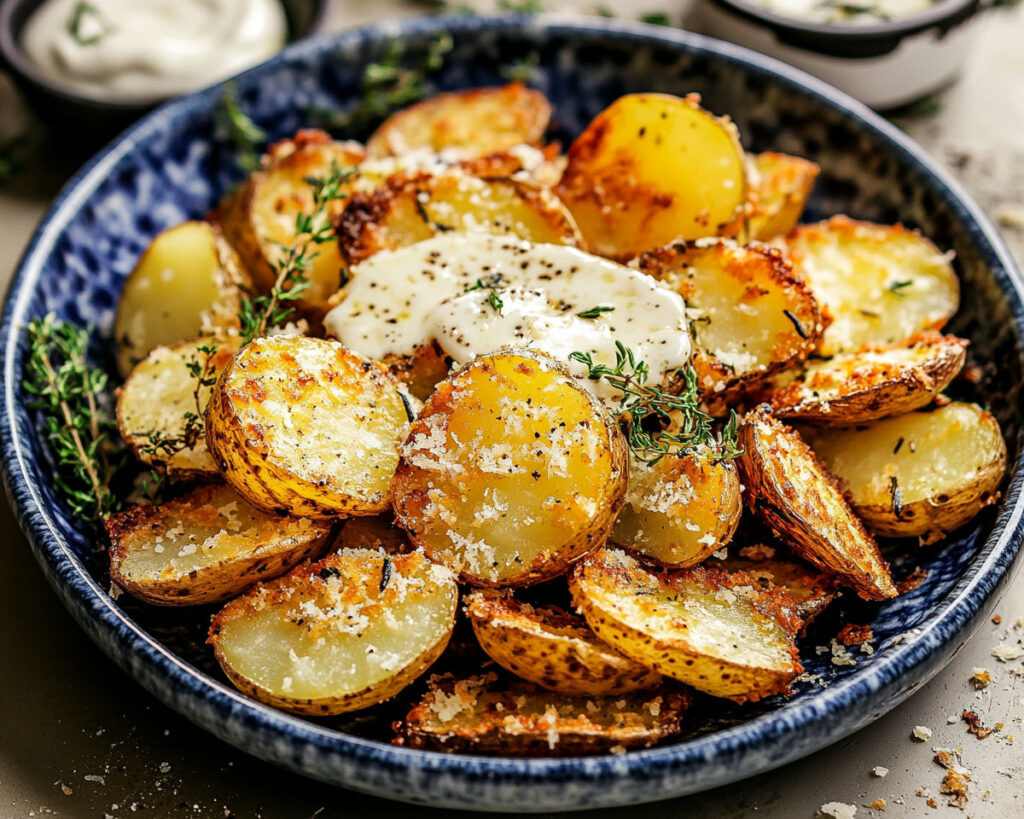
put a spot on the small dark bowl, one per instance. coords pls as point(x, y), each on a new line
point(93, 121)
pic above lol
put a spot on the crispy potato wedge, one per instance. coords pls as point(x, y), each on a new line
point(680, 509)
point(304, 426)
point(923, 474)
point(474, 122)
point(542, 166)
point(795, 496)
point(152, 404)
point(651, 169)
point(339, 635)
point(409, 209)
point(188, 282)
point(552, 648)
point(783, 185)
point(511, 472)
point(880, 284)
point(721, 633)
point(749, 315)
point(482, 715)
point(259, 218)
point(852, 388)
point(205, 547)
point(812, 591)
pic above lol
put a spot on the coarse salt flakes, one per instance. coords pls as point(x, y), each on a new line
point(879, 771)
point(838, 810)
point(922, 733)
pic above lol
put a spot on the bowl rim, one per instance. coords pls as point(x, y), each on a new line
point(936, 15)
point(13, 55)
point(296, 743)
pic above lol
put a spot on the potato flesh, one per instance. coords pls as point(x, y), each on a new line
point(156, 396)
point(930, 454)
point(783, 186)
point(510, 471)
point(223, 527)
point(880, 284)
point(474, 122)
point(306, 425)
point(409, 210)
point(324, 635)
point(651, 169)
point(700, 627)
point(749, 315)
point(180, 287)
point(680, 509)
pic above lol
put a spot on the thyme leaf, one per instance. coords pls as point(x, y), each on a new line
point(594, 312)
point(897, 287)
point(87, 25)
point(68, 391)
point(247, 138)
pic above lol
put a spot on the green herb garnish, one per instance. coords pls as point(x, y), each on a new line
point(521, 6)
point(896, 288)
point(245, 135)
point(67, 391)
point(594, 312)
point(260, 313)
point(492, 283)
point(524, 70)
point(87, 25)
point(659, 423)
point(656, 19)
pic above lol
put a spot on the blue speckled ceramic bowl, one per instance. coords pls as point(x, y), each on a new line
point(171, 167)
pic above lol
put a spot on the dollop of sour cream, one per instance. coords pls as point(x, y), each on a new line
point(146, 50)
point(475, 293)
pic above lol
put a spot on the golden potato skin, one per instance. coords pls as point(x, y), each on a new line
point(879, 284)
point(422, 371)
point(475, 122)
point(921, 475)
point(260, 216)
point(854, 388)
point(188, 282)
point(486, 715)
point(155, 398)
point(651, 169)
point(304, 426)
point(723, 634)
point(797, 498)
point(317, 604)
point(680, 509)
point(408, 209)
point(229, 546)
point(751, 315)
point(783, 185)
point(556, 650)
point(512, 463)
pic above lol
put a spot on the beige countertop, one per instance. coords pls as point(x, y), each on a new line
point(78, 738)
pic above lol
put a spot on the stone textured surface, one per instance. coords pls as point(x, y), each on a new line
point(34, 766)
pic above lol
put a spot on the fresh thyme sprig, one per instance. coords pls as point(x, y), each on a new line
point(67, 391)
point(261, 313)
point(246, 137)
point(389, 85)
point(492, 283)
point(596, 311)
point(659, 423)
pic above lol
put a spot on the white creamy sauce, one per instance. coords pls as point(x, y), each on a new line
point(529, 295)
point(862, 12)
point(145, 50)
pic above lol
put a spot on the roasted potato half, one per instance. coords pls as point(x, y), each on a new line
point(780, 192)
point(552, 648)
point(205, 547)
point(483, 715)
point(304, 426)
point(154, 401)
point(812, 591)
point(420, 371)
point(749, 316)
point(339, 635)
point(511, 472)
point(852, 388)
point(186, 283)
point(880, 284)
point(373, 532)
point(798, 499)
point(651, 169)
point(919, 475)
point(680, 509)
point(474, 122)
point(259, 218)
point(720, 633)
point(409, 209)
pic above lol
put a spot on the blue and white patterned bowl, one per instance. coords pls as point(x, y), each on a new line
point(171, 167)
